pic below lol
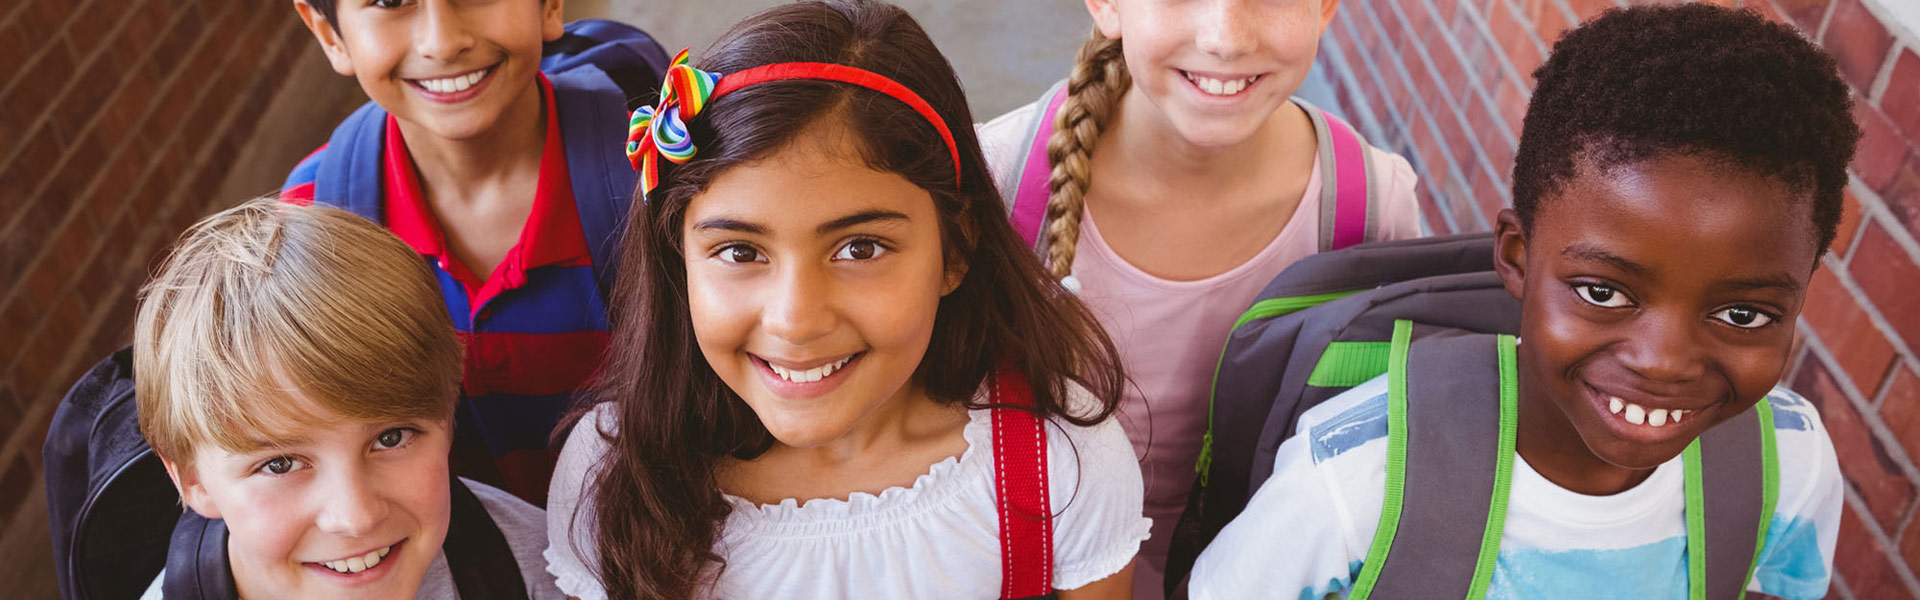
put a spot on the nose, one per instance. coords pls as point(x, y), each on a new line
point(1224, 30)
point(799, 308)
point(1664, 348)
point(441, 33)
point(353, 508)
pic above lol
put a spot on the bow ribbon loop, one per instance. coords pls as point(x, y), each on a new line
point(661, 131)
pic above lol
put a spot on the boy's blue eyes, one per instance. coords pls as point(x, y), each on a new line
point(1744, 317)
point(387, 440)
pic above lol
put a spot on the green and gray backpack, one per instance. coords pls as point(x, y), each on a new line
point(1432, 316)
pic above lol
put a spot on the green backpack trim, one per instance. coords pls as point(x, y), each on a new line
point(1393, 503)
point(1696, 504)
point(1347, 364)
point(1264, 309)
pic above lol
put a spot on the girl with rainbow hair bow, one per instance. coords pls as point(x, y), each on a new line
point(836, 371)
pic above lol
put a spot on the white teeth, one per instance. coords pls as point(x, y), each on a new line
point(359, 563)
point(1220, 87)
point(1640, 415)
point(453, 84)
point(809, 375)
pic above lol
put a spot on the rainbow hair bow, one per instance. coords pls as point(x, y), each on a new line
point(661, 131)
point(656, 131)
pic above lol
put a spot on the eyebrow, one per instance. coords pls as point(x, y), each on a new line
point(1779, 281)
point(1590, 253)
point(859, 218)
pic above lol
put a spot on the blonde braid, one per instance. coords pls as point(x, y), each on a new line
point(1094, 90)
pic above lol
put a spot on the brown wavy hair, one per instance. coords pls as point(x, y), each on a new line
point(659, 505)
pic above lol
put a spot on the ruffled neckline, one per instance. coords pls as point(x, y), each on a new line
point(891, 504)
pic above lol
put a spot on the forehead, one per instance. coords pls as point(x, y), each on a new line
point(1684, 211)
point(820, 177)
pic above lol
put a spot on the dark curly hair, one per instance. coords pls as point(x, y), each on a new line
point(1691, 79)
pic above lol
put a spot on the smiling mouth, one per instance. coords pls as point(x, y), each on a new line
point(360, 563)
point(811, 375)
point(455, 84)
point(1220, 87)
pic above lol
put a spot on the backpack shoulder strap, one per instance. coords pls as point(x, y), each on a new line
point(349, 174)
point(1020, 484)
point(593, 117)
point(1733, 481)
point(1348, 214)
point(1449, 465)
point(197, 566)
point(1028, 196)
point(478, 556)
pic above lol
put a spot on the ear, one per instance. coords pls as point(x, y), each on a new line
point(552, 22)
point(956, 273)
point(329, 38)
point(1510, 252)
point(192, 493)
point(1327, 8)
point(1106, 17)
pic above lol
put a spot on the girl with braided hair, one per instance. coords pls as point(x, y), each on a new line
point(1176, 129)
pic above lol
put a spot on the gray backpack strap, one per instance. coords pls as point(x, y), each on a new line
point(1732, 477)
point(1449, 465)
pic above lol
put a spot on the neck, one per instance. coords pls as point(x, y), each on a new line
point(909, 417)
point(1142, 143)
point(1549, 442)
point(459, 170)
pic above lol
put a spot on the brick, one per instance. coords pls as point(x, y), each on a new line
point(1901, 409)
point(1515, 39)
point(1806, 14)
point(1459, 200)
point(1488, 193)
point(89, 30)
point(1882, 150)
point(1902, 197)
point(1588, 9)
point(33, 162)
point(42, 82)
point(1851, 215)
point(1858, 41)
point(84, 99)
point(14, 486)
point(1901, 99)
point(1767, 10)
point(1869, 469)
point(171, 53)
point(45, 15)
point(1548, 24)
point(1887, 274)
point(1430, 209)
point(1859, 349)
point(14, 43)
point(1511, 99)
point(1864, 563)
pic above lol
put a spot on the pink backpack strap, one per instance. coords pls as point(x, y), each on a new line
point(1029, 212)
point(1347, 208)
point(1020, 483)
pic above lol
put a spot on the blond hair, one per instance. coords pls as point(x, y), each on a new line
point(267, 299)
point(1094, 90)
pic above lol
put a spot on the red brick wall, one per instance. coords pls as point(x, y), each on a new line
point(119, 120)
point(1445, 83)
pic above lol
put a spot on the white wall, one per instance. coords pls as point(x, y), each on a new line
point(1007, 52)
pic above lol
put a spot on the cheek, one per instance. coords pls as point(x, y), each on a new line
point(719, 310)
point(267, 521)
point(1556, 331)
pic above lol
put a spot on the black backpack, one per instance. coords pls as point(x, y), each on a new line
point(1432, 311)
point(116, 519)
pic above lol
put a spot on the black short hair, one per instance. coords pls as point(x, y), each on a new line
point(1691, 79)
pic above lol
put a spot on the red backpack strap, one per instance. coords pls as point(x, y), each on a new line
point(1020, 483)
point(1029, 211)
point(1346, 195)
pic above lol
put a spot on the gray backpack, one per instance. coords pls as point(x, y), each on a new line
point(1432, 315)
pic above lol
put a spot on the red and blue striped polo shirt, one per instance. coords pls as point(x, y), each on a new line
point(534, 329)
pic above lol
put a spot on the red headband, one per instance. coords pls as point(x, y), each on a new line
point(656, 132)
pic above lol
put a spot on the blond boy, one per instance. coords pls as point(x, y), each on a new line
point(297, 375)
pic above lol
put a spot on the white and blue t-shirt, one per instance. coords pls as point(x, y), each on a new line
point(1306, 533)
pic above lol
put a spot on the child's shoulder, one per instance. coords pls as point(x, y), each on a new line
point(525, 528)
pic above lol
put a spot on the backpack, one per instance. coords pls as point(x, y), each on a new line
point(1431, 311)
point(599, 69)
point(1020, 487)
point(116, 518)
point(1349, 211)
